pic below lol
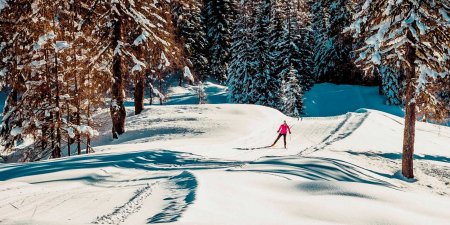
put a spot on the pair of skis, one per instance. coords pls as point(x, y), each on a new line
point(255, 148)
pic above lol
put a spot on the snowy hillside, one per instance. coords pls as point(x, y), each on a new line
point(187, 164)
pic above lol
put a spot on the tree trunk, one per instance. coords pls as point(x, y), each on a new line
point(88, 139)
point(88, 112)
point(77, 102)
point(139, 95)
point(160, 90)
point(117, 108)
point(180, 82)
point(410, 111)
point(78, 113)
point(150, 93)
point(68, 137)
point(57, 149)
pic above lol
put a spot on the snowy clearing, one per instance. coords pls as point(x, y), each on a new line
point(183, 165)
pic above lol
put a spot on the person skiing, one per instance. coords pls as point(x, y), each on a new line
point(282, 131)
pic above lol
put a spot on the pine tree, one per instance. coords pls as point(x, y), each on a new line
point(240, 71)
point(292, 94)
point(267, 45)
point(220, 16)
point(333, 49)
point(301, 39)
point(281, 41)
point(202, 97)
point(264, 89)
point(414, 37)
point(391, 83)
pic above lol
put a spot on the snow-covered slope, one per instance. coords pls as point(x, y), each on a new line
point(323, 99)
point(188, 164)
point(216, 94)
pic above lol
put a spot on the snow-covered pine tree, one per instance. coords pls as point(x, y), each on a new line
point(219, 16)
point(301, 39)
point(292, 94)
point(391, 83)
point(281, 40)
point(265, 86)
point(332, 50)
point(413, 36)
point(240, 70)
point(191, 31)
point(202, 97)
point(267, 41)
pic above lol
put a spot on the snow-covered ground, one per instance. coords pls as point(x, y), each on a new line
point(185, 164)
point(188, 164)
point(216, 94)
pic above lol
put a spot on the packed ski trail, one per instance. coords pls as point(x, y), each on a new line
point(181, 165)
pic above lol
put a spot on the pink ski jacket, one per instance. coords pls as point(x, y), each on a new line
point(284, 129)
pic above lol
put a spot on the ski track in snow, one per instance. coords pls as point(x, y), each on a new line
point(349, 124)
point(182, 193)
point(121, 213)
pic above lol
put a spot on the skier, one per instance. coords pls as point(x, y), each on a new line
point(282, 131)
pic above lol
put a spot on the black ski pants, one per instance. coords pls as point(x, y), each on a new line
point(278, 138)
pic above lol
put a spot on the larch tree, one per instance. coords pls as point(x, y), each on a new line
point(35, 50)
point(413, 36)
point(151, 33)
point(14, 24)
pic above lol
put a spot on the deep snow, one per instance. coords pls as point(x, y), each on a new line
point(183, 164)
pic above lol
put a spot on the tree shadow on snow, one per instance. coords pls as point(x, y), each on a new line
point(183, 187)
point(318, 169)
point(396, 156)
point(157, 160)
